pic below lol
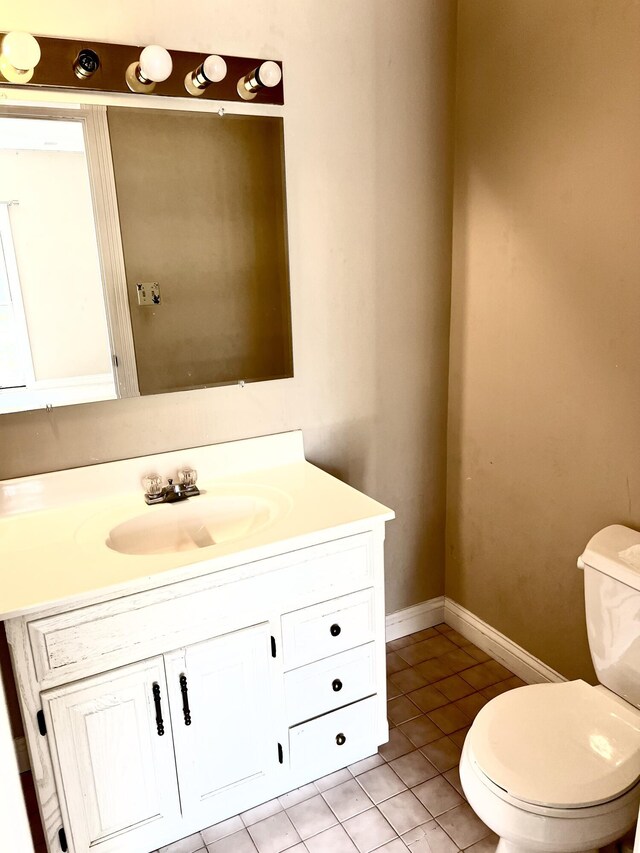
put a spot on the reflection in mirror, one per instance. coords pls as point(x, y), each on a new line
point(54, 342)
point(159, 233)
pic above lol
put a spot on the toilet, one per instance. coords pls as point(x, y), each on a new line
point(556, 767)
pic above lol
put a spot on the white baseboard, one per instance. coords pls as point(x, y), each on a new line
point(514, 657)
point(443, 609)
point(22, 755)
point(415, 618)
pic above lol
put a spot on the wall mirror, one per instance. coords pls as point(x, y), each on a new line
point(142, 251)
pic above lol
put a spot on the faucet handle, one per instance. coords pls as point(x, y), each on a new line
point(187, 477)
point(152, 484)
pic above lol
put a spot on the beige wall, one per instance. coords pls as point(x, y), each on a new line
point(368, 146)
point(544, 429)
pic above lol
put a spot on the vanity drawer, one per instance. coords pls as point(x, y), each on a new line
point(330, 683)
point(328, 628)
point(336, 739)
point(112, 633)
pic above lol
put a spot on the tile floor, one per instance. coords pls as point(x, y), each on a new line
point(408, 795)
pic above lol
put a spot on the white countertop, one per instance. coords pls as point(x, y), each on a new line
point(54, 527)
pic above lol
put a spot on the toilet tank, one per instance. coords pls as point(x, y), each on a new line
point(611, 563)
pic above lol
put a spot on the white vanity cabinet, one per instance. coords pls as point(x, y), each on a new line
point(164, 691)
point(118, 775)
point(171, 709)
point(153, 742)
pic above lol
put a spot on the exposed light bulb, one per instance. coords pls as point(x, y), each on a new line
point(154, 66)
point(267, 75)
point(212, 70)
point(20, 55)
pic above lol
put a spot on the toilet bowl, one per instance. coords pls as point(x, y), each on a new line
point(555, 768)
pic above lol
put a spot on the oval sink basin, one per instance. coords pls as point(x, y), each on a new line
point(198, 522)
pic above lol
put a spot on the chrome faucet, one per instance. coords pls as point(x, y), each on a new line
point(156, 493)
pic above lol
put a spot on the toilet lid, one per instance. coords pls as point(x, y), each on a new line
point(564, 745)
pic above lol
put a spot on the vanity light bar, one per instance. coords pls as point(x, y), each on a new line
point(101, 67)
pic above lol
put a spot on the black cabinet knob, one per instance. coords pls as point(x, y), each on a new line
point(335, 629)
point(340, 739)
point(336, 684)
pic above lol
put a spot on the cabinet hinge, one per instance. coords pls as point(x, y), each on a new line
point(114, 359)
point(62, 837)
point(280, 754)
point(42, 724)
point(273, 647)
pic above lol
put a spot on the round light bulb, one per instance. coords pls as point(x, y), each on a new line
point(269, 74)
point(155, 63)
point(20, 55)
point(215, 68)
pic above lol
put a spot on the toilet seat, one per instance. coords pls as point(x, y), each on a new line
point(551, 748)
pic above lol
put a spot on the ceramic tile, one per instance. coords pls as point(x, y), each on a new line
point(426, 634)
point(463, 826)
point(404, 812)
point(453, 777)
point(274, 834)
point(459, 737)
point(429, 838)
point(260, 812)
point(477, 653)
point(296, 796)
point(334, 779)
point(422, 730)
point(435, 669)
point(448, 719)
point(312, 816)
point(413, 768)
point(347, 800)
point(395, 663)
point(437, 795)
point(457, 638)
point(454, 688)
point(401, 642)
point(239, 842)
point(366, 764)
point(470, 705)
point(185, 845)
point(401, 709)
point(432, 648)
point(487, 845)
point(369, 830)
point(427, 698)
point(222, 829)
point(408, 680)
point(395, 846)
point(392, 690)
point(381, 783)
point(334, 840)
point(483, 674)
point(458, 660)
point(398, 744)
point(443, 753)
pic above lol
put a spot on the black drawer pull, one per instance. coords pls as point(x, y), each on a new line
point(335, 629)
point(156, 701)
point(340, 739)
point(336, 684)
point(185, 700)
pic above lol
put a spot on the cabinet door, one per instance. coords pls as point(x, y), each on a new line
point(116, 771)
point(226, 745)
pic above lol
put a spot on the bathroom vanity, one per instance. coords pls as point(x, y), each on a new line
point(178, 664)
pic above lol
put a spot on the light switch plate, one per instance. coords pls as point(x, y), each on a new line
point(148, 292)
